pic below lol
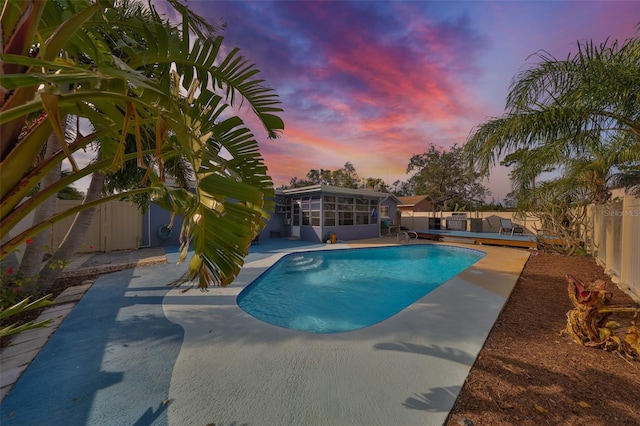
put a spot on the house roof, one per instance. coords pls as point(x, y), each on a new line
point(394, 198)
point(413, 200)
point(328, 189)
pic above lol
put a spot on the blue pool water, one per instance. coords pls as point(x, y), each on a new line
point(334, 291)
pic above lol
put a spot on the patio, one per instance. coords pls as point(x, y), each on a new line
point(134, 351)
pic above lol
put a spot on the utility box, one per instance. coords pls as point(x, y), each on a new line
point(476, 225)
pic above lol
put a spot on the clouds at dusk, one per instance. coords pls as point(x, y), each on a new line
point(375, 82)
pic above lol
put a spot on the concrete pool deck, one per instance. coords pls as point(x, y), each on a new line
point(135, 352)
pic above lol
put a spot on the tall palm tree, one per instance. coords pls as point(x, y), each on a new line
point(185, 102)
point(561, 110)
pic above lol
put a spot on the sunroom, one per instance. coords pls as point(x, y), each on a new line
point(321, 213)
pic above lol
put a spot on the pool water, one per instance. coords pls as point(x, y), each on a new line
point(332, 291)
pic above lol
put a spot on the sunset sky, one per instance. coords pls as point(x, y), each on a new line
point(375, 82)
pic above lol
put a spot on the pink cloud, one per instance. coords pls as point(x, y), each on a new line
point(376, 82)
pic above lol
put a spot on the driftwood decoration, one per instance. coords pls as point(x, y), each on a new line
point(589, 322)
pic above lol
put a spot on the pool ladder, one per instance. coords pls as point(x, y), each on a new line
point(405, 236)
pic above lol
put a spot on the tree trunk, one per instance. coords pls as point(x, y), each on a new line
point(32, 259)
point(75, 236)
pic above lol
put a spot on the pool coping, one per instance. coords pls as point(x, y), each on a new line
point(118, 359)
point(407, 369)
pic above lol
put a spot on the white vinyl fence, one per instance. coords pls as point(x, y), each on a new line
point(615, 242)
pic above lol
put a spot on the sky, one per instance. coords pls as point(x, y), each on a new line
point(375, 82)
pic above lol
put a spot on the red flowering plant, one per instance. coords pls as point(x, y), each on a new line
point(11, 288)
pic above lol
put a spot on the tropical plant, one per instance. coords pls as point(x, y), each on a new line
point(20, 307)
point(444, 176)
point(560, 209)
point(187, 102)
point(561, 110)
point(589, 323)
point(131, 174)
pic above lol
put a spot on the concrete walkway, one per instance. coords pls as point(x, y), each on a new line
point(15, 359)
point(133, 351)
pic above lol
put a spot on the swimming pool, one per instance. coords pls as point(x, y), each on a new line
point(333, 291)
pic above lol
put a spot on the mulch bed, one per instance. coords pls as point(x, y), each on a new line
point(528, 373)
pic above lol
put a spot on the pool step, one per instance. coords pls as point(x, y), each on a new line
point(304, 263)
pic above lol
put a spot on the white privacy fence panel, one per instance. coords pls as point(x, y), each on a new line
point(615, 241)
point(630, 275)
point(613, 224)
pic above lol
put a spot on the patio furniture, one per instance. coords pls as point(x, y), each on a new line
point(388, 227)
point(494, 223)
point(507, 227)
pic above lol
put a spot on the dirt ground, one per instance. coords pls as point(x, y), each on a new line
point(527, 373)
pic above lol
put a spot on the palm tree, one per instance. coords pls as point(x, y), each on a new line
point(561, 110)
point(185, 102)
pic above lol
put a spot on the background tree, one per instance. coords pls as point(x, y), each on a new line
point(345, 177)
point(69, 192)
point(376, 184)
point(562, 114)
point(319, 177)
point(578, 117)
point(444, 175)
point(561, 209)
point(401, 188)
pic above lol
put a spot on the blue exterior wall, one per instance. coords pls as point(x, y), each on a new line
point(276, 228)
point(393, 209)
point(276, 225)
point(155, 218)
point(309, 233)
point(358, 232)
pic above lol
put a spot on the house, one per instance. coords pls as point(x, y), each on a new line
point(314, 213)
point(311, 213)
point(416, 203)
